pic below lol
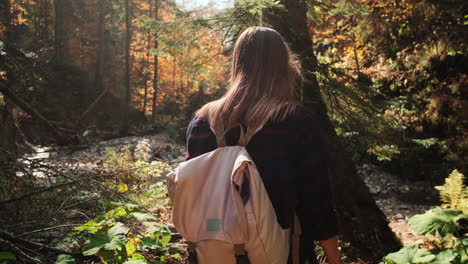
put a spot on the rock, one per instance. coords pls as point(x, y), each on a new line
point(404, 189)
point(89, 133)
point(399, 216)
point(180, 159)
point(93, 150)
point(373, 190)
point(403, 206)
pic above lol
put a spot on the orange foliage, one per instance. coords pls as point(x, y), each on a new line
point(196, 61)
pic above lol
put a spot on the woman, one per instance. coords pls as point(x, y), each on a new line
point(288, 151)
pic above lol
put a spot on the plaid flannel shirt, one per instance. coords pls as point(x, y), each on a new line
point(291, 158)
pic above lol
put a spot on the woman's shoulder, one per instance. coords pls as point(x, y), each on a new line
point(198, 122)
point(302, 115)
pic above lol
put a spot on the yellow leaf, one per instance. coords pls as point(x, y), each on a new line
point(131, 245)
point(122, 187)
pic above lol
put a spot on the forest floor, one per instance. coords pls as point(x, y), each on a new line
point(397, 198)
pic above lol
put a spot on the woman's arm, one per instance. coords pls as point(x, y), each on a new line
point(330, 246)
point(315, 209)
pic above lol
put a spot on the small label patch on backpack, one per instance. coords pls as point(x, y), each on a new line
point(213, 225)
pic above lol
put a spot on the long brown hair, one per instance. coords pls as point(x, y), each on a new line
point(264, 72)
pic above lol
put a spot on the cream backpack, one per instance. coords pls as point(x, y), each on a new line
point(222, 209)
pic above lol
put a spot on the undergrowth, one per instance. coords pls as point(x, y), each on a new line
point(125, 234)
point(445, 226)
point(112, 213)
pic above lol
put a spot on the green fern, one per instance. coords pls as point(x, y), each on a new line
point(453, 193)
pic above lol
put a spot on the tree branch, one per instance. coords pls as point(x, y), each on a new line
point(9, 237)
point(31, 111)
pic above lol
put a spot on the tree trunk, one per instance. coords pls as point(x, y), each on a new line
point(126, 97)
point(46, 7)
point(59, 31)
point(356, 57)
point(63, 20)
point(147, 60)
point(361, 221)
point(36, 23)
point(98, 80)
point(7, 133)
point(156, 66)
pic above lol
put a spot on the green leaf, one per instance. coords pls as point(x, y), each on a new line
point(137, 257)
point(91, 226)
point(436, 220)
point(462, 250)
point(7, 255)
point(147, 242)
point(65, 259)
point(409, 255)
point(162, 234)
point(444, 257)
point(116, 235)
point(95, 243)
point(118, 228)
point(113, 239)
point(144, 217)
point(115, 213)
point(139, 261)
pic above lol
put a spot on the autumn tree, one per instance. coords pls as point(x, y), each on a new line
point(126, 98)
point(155, 65)
point(63, 14)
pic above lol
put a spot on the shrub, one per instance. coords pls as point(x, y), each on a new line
point(119, 236)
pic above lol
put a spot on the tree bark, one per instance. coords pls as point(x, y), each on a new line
point(8, 132)
point(63, 20)
point(98, 80)
point(36, 23)
point(356, 57)
point(147, 61)
point(46, 7)
point(360, 219)
point(59, 30)
point(126, 97)
point(156, 66)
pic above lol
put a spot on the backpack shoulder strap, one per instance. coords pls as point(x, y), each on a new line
point(220, 134)
point(244, 137)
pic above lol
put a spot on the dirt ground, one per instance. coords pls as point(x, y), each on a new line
point(399, 200)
